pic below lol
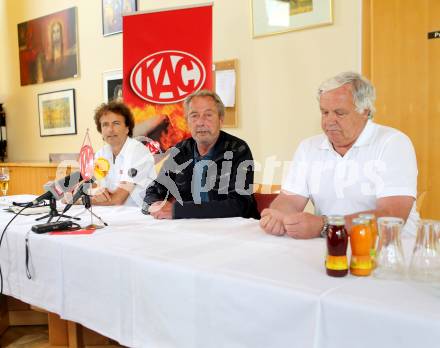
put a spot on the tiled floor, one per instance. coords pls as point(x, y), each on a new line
point(31, 337)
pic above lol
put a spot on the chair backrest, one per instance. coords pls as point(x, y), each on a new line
point(59, 157)
point(264, 200)
point(266, 188)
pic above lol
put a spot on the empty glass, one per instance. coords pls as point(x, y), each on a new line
point(390, 259)
point(437, 233)
point(425, 261)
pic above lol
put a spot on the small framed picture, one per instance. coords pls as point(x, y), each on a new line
point(57, 113)
point(112, 85)
point(112, 12)
point(270, 17)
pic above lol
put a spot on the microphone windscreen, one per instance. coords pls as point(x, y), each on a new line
point(68, 182)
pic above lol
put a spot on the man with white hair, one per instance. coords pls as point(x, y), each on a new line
point(356, 166)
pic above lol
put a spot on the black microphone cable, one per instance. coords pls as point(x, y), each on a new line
point(1, 240)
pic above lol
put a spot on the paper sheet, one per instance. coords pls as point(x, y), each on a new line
point(225, 86)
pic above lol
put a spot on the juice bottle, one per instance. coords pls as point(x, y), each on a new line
point(373, 226)
point(337, 241)
point(360, 242)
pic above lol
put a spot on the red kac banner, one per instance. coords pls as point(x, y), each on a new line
point(167, 56)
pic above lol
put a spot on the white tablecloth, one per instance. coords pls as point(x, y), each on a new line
point(211, 283)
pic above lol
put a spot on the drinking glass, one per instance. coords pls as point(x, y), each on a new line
point(390, 259)
point(425, 261)
point(437, 234)
point(4, 180)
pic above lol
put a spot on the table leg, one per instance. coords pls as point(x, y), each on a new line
point(57, 330)
point(74, 333)
point(4, 318)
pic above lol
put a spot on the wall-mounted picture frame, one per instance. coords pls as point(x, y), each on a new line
point(57, 113)
point(112, 12)
point(48, 48)
point(112, 85)
point(270, 17)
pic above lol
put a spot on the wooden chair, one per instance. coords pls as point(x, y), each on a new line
point(264, 200)
point(265, 194)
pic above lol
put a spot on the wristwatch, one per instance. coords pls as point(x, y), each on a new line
point(324, 230)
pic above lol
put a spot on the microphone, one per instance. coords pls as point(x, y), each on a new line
point(56, 189)
point(45, 195)
point(82, 190)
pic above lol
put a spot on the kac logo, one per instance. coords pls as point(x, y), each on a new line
point(167, 77)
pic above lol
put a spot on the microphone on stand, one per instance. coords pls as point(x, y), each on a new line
point(81, 191)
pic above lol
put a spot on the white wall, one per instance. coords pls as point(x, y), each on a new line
point(278, 74)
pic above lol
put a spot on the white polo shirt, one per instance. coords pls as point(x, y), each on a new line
point(134, 164)
point(381, 163)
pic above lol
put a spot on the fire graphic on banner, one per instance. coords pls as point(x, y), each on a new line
point(165, 123)
point(163, 64)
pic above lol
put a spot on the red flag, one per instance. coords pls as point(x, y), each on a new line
point(167, 56)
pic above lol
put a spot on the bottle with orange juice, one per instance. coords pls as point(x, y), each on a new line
point(360, 242)
point(373, 226)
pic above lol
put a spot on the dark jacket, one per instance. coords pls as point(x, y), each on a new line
point(227, 198)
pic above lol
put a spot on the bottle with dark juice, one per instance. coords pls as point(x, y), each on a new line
point(336, 262)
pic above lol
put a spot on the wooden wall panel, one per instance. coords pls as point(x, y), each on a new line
point(432, 206)
point(401, 63)
point(29, 178)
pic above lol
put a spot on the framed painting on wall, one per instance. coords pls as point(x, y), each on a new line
point(271, 17)
point(112, 12)
point(57, 113)
point(112, 85)
point(48, 48)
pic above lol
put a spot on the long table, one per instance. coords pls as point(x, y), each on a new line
point(211, 283)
